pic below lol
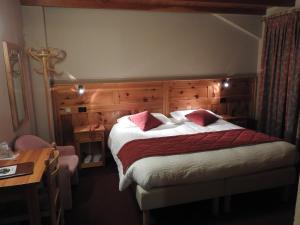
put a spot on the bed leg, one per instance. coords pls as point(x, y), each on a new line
point(146, 217)
point(227, 205)
point(215, 206)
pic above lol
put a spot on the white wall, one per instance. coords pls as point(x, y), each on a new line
point(114, 44)
point(11, 30)
point(34, 37)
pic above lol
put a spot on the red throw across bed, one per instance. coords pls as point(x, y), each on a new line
point(182, 144)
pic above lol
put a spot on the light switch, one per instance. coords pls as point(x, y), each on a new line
point(67, 109)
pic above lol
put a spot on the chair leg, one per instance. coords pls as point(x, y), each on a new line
point(75, 178)
point(215, 206)
point(146, 217)
point(227, 204)
point(66, 189)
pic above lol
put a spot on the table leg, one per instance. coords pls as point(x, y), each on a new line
point(103, 152)
point(32, 198)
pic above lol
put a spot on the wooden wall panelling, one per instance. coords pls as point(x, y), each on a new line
point(194, 94)
point(166, 103)
point(134, 96)
point(220, 108)
point(106, 102)
point(237, 87)
point(192, 104)
point(66, 130)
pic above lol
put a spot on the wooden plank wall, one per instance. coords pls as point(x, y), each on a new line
point(105, 102)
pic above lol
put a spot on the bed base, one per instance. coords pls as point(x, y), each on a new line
point(180, 194)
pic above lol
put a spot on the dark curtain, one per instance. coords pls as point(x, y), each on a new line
point(279, 89)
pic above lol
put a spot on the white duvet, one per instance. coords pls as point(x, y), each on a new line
point(195, 167)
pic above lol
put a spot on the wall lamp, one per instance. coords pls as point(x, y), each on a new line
point(225, 83)
point(80, 89)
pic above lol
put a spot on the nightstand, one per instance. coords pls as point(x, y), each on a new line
point(90, 145)
point(243, 121)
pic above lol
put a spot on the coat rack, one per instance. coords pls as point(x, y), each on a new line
point(48, 57)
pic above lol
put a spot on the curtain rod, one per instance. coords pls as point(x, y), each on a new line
point(284, 12)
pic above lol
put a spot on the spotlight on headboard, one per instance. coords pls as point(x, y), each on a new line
point(80, 89)
point(225, 83)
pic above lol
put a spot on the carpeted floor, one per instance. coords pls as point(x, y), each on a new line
point(97, 201)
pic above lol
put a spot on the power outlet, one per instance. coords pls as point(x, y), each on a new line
point(82, 109)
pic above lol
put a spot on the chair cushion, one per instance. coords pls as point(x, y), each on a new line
point(70, 161)
point(25, 142)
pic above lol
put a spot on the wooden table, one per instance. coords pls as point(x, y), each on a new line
point(28, 183)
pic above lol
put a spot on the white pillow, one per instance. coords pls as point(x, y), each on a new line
point(179, 115)
point(125, 121)
point(162, 118)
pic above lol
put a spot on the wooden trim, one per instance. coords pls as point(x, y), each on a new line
point(8, 48)
point(97, 3)
point(152, 79)
point(256, 2)
point(215, 6)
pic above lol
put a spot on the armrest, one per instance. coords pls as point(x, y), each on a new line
point(66, 150)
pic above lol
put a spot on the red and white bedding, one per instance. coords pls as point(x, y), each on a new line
point(194, 167)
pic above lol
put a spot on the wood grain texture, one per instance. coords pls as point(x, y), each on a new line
point(10, 49)
point(83, 134)
point(38, 157)
point(216, 6)
point(125, 98)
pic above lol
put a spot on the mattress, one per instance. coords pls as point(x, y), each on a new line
point(153, 172)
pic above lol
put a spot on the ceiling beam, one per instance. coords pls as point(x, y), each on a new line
point(268, 3)
point(213, 6)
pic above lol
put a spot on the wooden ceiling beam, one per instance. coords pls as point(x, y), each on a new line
point(213, 6)
point(268, 3)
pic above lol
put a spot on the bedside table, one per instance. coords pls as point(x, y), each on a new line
point(242, 121)
point(85, 135)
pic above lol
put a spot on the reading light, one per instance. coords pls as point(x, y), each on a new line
point(225, 83)
point(80, 89)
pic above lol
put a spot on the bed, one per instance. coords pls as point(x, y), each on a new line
point(162, 181)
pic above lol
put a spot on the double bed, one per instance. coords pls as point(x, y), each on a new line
point(162, 181)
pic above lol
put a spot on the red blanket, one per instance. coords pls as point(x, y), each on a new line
point(182, 144)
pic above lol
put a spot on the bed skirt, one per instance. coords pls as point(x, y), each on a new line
point(180, 194)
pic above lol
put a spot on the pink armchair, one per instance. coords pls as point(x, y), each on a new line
point(68, 162)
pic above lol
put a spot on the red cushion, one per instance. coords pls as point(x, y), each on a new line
point(202, 117)
point(145, 120)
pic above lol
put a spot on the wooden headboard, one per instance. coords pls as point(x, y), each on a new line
point(105, 102)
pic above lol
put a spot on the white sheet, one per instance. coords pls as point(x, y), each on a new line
point(196, 167)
